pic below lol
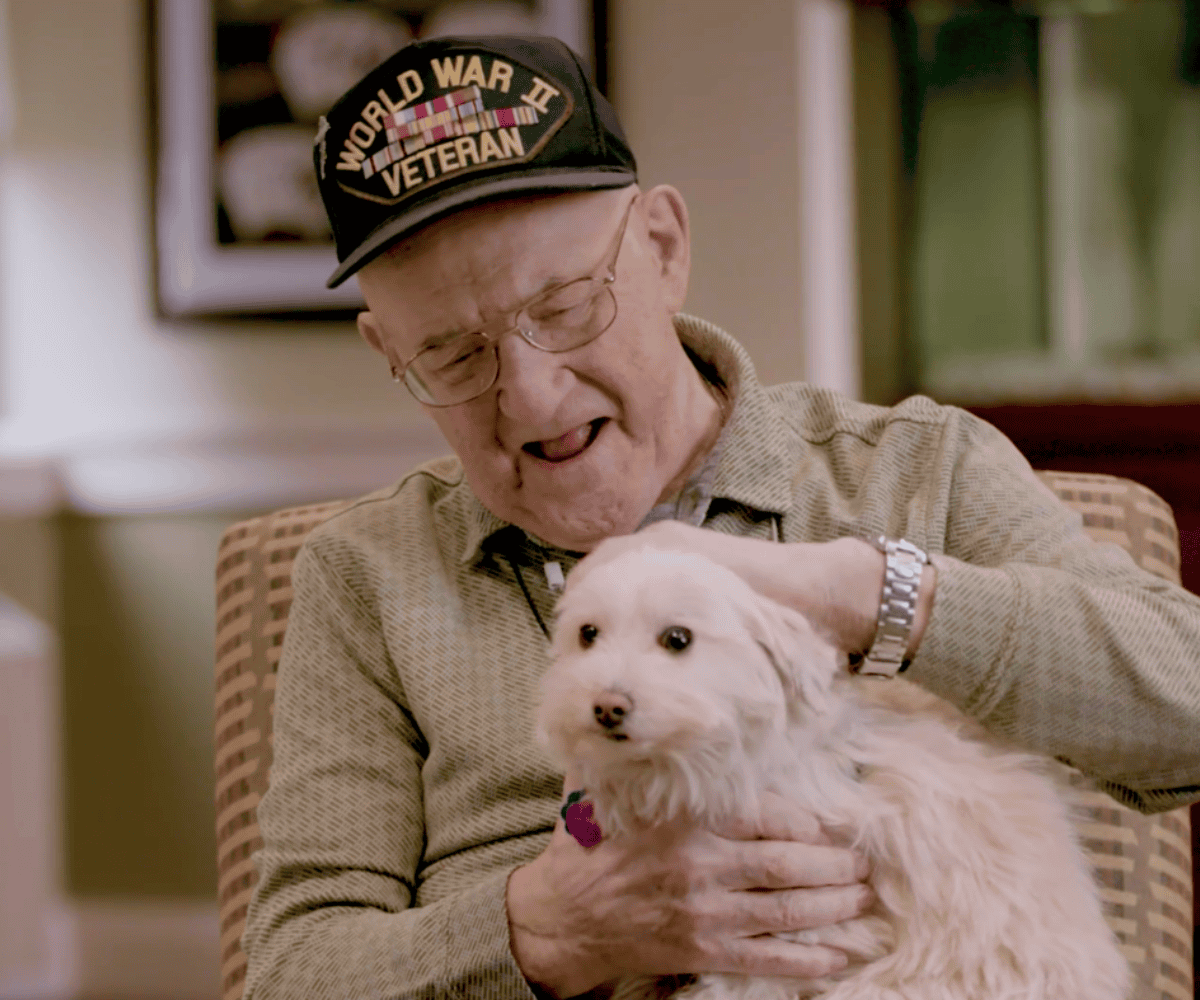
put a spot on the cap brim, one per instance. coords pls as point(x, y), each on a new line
point(402, 225)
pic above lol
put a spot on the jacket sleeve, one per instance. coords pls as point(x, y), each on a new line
point(342, 825)
point(1061, 643)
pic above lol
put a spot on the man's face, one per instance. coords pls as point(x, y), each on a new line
point(630, 398)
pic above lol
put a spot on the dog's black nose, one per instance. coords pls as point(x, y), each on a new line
point(611, 709)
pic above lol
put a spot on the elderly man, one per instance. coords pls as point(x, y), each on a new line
point(528, 293)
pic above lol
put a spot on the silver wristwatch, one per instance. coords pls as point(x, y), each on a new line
point(897, 607)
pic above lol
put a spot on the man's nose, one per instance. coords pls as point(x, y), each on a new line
point(611, 709)
point(531, 382)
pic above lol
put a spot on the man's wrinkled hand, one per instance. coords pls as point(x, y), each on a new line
point(836, 585)
point(675, 899)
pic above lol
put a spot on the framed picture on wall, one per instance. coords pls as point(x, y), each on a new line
point(238, 88)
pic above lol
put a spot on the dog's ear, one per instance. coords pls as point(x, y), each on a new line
point(805, 662)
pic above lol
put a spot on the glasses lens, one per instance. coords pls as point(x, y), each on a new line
point(452, 372)
point(572, 315)
point(463, 368)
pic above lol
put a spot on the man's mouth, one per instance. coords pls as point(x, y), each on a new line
point(569, 445)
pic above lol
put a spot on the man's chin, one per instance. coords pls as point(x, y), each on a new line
point(574, 538)
point(581, 531)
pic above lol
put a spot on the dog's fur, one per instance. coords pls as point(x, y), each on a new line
point(983, 892)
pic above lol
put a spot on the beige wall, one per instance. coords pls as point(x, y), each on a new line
point(887, 371)
point(708, 98)
point(85, 358)
point(86, 361)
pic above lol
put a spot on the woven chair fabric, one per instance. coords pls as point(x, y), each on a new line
point(254, 566)
point(1143, 863)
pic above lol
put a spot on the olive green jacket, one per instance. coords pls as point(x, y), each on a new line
point(407, 785)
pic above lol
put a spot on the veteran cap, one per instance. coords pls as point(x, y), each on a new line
point(450, 122)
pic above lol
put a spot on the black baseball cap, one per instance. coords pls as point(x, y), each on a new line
point(451, 122)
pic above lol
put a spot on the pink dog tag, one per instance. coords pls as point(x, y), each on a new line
point(577, 815)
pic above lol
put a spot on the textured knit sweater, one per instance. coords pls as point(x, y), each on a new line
point(407, 784)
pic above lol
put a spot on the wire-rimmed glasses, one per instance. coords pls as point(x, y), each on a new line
point(463, 366)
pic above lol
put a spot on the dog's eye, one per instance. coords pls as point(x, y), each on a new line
point(676, 638)
point(587, 635)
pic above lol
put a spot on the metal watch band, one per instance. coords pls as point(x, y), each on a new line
point(897, 607)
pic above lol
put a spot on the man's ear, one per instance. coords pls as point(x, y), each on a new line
point(666, 218)
point(368, 326)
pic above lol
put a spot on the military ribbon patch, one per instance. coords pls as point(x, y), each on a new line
point(458, 113)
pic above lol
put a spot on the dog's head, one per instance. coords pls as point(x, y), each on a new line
point(667, 655)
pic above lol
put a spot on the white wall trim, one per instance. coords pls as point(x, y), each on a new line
point(55, 977)
point(30, 832)
point(244, 474)
point(230, 473)
point(828, 222)
point(1060, 55)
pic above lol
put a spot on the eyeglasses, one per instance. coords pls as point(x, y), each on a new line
point(561, 319)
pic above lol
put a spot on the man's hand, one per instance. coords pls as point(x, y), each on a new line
point(676, 899)
point(836, 585)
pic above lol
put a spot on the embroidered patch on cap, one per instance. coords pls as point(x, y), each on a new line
point(447, 123)
point(464, 112)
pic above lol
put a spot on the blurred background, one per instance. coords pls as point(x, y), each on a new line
point(994, 204)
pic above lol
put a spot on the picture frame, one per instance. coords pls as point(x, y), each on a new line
point(207, 263)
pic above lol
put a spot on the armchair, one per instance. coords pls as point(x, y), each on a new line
point(1143, 863)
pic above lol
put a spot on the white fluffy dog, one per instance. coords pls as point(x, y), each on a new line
point(676, 688)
